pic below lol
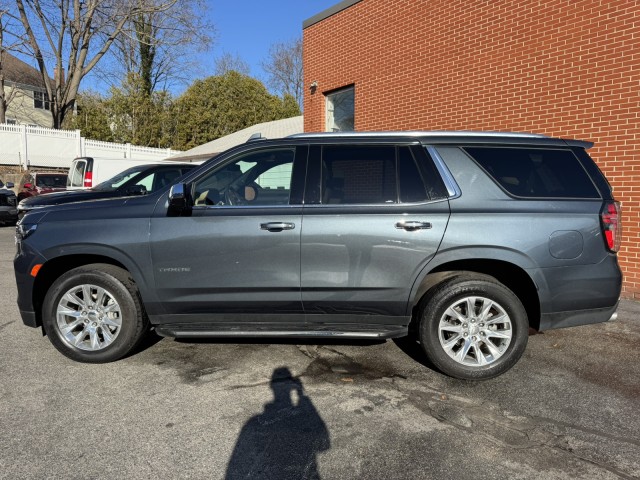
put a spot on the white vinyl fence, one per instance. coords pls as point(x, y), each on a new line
point(29, 147)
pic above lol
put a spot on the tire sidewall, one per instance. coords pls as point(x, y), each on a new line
point(122, 343)
point(455, 290)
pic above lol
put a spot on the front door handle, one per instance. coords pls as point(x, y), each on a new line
point(277, 226)
point(412, 226)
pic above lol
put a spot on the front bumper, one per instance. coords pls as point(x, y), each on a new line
point(29, 318)
point(24, 261)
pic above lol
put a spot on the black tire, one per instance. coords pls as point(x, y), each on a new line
point(456, 289)
point(121, 287)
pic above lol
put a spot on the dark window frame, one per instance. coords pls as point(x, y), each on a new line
point(41, 100)
point(296, 191)
point(463, 148)
point(434, 186)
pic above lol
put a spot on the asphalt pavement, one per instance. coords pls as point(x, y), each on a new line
point(258, 409)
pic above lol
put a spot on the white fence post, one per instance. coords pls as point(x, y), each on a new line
point(24, 160)
point(128, 154)
point(83, 148)
point(78, 144)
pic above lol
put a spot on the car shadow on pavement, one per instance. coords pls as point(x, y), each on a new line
point(149, 340)
point(285, 439)
point(410, 346)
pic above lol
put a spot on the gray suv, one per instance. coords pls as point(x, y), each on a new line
point(462, 241)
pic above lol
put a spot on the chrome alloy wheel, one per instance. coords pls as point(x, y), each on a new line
point(475, 331)
point(88, 317)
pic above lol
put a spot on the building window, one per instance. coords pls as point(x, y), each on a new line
point(11, 121)
point(41, 100)
point(341, 110)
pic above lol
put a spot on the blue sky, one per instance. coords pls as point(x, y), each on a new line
point(246, 28)
point(250, 27)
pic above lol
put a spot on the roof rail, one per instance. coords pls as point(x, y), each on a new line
point(435, 133)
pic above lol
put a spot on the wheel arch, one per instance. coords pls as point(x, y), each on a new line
point(53, 268)
point(511, 275)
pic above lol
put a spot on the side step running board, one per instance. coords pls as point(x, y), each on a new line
point(176, 331)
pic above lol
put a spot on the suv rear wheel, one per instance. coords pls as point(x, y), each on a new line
point(473, 327)
point(93, 314)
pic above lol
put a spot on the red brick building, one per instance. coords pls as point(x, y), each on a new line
point(567, 68)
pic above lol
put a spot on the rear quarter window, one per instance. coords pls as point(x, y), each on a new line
point(535, 172)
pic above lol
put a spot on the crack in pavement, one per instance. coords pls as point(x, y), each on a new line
point(460, 413)
point(6, 325)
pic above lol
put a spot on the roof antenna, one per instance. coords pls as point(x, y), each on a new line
point(255, 137)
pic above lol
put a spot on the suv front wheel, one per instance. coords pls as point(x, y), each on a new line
point(473, 327)
point(93, 314)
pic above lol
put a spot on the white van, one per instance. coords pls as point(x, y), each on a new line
point(87, 172)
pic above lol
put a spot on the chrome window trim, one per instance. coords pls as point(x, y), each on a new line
point(398, 205)
point(452, 187)
point(248, 207)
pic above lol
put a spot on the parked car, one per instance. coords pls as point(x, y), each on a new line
point(43, 182)
point(461, 241)
point(139, 180)
point(8, 211)
point(88, 172)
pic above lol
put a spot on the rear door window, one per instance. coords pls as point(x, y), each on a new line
point(370, 175)
point(76, 174)
point(535, 172)
point(359, 175)
point(411, 185)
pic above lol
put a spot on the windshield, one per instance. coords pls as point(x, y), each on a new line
point(114, 182)
point(51, 181)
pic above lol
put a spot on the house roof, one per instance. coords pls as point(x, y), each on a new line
point(274, 129)
point(17, 71)
point(328, 12)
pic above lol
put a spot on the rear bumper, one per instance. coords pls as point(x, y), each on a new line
point(549, 321)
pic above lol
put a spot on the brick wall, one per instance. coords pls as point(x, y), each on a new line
point(567, 68)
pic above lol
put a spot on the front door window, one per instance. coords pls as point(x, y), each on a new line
point(256, 179)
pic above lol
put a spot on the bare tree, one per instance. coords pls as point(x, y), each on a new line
point(227, 62)
point(158, 46)
point(284, 68)
point(78, 31)
point(4, 98)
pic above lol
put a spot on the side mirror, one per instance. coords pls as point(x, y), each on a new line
point(178, 200)
point(9, 184)
point(28, 186)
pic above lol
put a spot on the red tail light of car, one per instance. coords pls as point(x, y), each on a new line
point(611, 220)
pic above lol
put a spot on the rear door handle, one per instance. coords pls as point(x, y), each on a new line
point(277, 226)
point(412, 226)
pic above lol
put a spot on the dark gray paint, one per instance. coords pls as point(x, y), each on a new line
point(342, 268)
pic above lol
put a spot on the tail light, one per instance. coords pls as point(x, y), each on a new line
point(88, 179)
point(611, 225)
